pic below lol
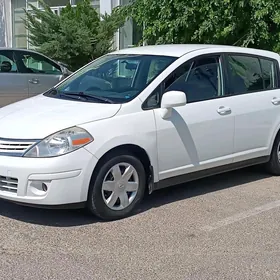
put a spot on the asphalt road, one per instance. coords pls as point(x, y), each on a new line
point(223, 227)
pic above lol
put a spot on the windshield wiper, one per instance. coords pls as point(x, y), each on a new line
point(51, 91)
point(82, 95)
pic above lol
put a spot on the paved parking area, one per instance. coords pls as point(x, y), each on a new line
point(223, 227)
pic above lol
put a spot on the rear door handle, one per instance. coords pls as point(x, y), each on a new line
point(223, 110)
point(34, 81)
point(275, 101)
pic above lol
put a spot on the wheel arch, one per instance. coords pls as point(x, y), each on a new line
point(131, 149)
point(276, 132)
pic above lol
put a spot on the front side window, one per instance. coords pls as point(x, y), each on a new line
point(115, 78)
point(200, 79)
point(7, 62)
point(34, 63)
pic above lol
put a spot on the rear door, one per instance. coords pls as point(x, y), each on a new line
point(41, 72)
point(13, 85)
point(255, 100)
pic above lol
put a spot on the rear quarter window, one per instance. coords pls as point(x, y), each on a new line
point(269, 71)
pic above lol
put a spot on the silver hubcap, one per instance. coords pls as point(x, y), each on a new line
point(120, 186)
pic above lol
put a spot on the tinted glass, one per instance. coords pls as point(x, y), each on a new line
point(116, 77)
point(245, 74)
point(7, 62)
point(201, 79)
point(269, 73)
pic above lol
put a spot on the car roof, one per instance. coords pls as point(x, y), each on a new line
point(177, 50)
point(25, 50)
point(17, 49)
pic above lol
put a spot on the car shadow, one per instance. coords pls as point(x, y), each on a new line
point(203, 186)
point(72, 218)
point(46, 217)
point(186, 136)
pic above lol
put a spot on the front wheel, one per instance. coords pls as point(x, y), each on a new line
point(273, 166)
point(117, 188)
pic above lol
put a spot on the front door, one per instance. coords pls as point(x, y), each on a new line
point(41, 73)
point(13, 85)
point(200, 134)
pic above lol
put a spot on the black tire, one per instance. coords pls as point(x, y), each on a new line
point(273, 166)
point(96, 204)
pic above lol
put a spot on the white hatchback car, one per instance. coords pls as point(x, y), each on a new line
point(141, 118)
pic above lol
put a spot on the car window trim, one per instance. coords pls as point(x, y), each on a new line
point(226, 80)
point(259, 57)
point(223, 81)
point(263, 82)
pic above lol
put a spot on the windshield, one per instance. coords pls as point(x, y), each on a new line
point(114, 78)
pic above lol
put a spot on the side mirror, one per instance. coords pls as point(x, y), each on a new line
point(172, 99)
point(6, 66)
point(65, 71)
point(62, 64)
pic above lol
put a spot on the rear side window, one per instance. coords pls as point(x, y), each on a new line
point(249, 74)
point(7, 62)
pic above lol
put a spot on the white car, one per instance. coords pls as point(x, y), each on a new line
point(141, 119)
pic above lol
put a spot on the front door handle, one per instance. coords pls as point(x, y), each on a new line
point(34, 81)
point(223, 110)
point(275, 101)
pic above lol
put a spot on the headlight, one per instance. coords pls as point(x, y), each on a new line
point(60, 143)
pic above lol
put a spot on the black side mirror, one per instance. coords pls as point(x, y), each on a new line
point(6, 66)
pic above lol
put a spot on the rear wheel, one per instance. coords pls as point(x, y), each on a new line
point(273, 166)
point(117, 188)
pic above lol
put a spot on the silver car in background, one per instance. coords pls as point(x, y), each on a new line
point(26, 73)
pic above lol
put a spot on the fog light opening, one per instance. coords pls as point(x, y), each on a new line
point(39, 188)
point(44, 187)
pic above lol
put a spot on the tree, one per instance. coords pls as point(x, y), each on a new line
point(76, 36)
point(254, 23)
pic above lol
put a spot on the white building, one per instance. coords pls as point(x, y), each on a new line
point(14, 34)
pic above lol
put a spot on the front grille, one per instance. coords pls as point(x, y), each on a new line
point(8, 184)
point(15, 147)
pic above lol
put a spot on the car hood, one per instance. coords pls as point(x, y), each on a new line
point(40, 116)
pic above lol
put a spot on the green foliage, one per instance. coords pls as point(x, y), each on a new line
point(254, 23)
point(76, 36)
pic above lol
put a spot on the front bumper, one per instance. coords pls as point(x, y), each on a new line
point(47, 181)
